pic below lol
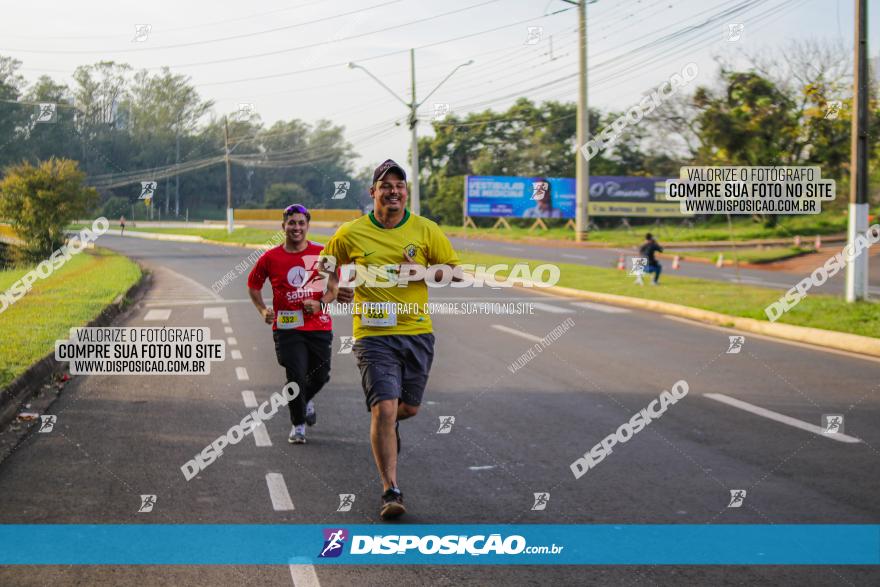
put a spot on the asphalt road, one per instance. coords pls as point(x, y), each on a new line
point(514, 434)
point(608, 257)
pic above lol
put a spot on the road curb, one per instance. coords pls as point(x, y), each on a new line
point(27, 385)
point(842, 341)
point(183, 238)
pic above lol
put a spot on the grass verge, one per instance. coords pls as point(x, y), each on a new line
point(744, 229)
point(815, 311)
point(73, 295)
point(751, 255)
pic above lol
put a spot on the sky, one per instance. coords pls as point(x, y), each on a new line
point(289, 58)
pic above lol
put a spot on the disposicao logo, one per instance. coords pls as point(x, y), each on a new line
point(334, 541)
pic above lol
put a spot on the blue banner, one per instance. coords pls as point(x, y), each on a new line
point(528, 544)
point(555, 197)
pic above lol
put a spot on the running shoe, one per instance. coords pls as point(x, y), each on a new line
point(311, 414)
point(297, 435)
point(392, 505)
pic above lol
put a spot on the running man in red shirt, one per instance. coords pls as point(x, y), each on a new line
point(302, 331)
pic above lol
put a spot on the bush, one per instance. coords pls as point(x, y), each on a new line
point(41, 201)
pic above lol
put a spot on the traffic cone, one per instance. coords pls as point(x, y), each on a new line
point(620, 263)
point(676, 262)
point(818, 242)
point(720, 261)
point(797, 241)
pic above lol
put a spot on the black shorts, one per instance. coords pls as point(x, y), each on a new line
point(394, 366)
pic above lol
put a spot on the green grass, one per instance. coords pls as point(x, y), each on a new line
point(73, 295)
point(670, 232)
point(244, 235)
point(750, 255)
point(816, 311)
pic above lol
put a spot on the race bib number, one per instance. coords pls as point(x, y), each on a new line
point(287, 319)
point(378, 314)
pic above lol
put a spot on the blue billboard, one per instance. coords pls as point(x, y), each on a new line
point(555, 197)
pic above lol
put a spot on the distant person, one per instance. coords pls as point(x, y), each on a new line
point(543, 204)
point(122, 225)
point(649, 250)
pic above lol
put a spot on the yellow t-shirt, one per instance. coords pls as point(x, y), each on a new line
point(367, 244)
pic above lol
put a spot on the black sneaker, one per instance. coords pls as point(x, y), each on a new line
point(392, 505)
point(397, 433)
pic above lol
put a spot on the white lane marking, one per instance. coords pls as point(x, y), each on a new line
point(304, 576)
point(250, 400)
point(231, 341)
point(241, 373)
point(482, 467)
point(516, 332)
point(581, 257)
point(552, 309)
point(150, 304)
point(802, 345)
point(515, 248)
point(602, 308)
point(777, 417)
point(216, 313)
point(261, 435)
point(157, 315)
point(227, 330)
point(278, 492)
point(236, 354)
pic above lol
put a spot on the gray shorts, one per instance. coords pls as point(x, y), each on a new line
point(394, 366)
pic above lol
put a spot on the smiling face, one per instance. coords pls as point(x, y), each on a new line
point(389, 194)
point(296, 228)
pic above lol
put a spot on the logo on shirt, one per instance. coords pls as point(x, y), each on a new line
point(296, 276)
point(411, 249)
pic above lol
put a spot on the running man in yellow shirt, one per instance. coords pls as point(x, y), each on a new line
point(394, 341)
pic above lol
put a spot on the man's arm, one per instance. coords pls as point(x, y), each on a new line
point(257, 299)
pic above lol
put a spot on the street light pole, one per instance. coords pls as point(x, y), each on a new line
point(415, 203)
point(229, 226)
point(413, 106)
point(857, 268)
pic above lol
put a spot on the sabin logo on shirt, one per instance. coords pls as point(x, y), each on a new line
point(296, 276)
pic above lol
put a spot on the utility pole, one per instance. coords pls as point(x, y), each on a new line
point(414, 204)
point(582, 165)
point(413, 106)
point(229, 226)
point(177, 176)
point(857, 268)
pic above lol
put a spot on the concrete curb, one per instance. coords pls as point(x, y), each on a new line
point(843, 341)
point(43, 371)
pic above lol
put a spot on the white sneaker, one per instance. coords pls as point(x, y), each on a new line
point(297, 435)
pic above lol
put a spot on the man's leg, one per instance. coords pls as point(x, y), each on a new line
point(320, 351)
point(384, 416)
point(657, 270)
point(292, 354)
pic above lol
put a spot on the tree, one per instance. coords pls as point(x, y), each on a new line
point(40, 201)
point(282, 195)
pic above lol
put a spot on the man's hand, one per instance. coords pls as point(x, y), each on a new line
point(345, 295)
point(268, 315)
point(311, 306)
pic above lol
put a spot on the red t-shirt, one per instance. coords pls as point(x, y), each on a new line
point(294, 278)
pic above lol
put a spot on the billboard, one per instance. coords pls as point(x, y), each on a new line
point(555, 197)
